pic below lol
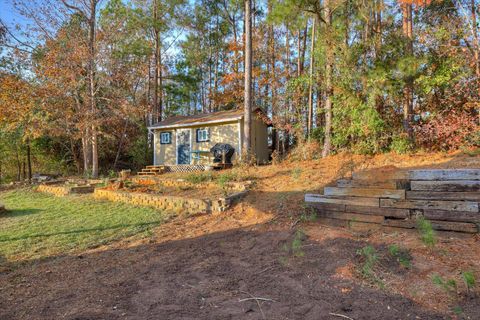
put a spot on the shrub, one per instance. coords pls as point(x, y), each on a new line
point(371, 258)
point(469, 280)
point(449, 131)
point(224, 179)
point(427, 233)
point(196, 178)
point(401, 255)
point(448, 285)
point(401, 144)
point(296, 173)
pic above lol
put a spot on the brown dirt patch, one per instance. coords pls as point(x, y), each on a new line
point(201, 278)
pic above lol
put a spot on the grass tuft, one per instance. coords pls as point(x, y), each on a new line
point(427, 234)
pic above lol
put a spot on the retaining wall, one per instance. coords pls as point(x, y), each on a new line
point(178, 204)
point(61, 191)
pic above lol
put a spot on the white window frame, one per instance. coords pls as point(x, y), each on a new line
point(165, 134)
point(203, 134)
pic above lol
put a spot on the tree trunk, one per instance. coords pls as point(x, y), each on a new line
point(273, 80)
point(310, 87)
point(19, 165)
point(87, 151)
point(29, 161)
point(120, 144)
point(157, 78)
point(327, 146)
point(248, 79)
point(475, 38)
point(286, 134)
point(408, 89)
point(93, 105)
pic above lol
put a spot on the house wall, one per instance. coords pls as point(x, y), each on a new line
point(223, 133)
point(260, 140)
point(166, 154)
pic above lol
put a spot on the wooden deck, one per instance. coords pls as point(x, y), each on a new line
point(448, 198)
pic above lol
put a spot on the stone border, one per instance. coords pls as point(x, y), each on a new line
point(188, 205)
point(61, 191)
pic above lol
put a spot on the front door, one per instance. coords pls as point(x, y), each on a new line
point(183, 146)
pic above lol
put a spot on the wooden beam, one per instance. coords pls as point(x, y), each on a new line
point(467, 206)
point(350, 216)
point(381, 174)
point(387, 212)
point(436, 225)
point(382, 184)
point(445, 174)
point(361, 201)
point(365, 192)
point(429, 195)
point(328, 206)
point(460, 216)
point(457, 185)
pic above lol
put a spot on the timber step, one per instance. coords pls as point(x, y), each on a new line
point(375, 184)
point(449, 198)
point(364, 192)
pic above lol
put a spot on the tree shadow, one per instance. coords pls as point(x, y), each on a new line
point(78, 231)
point(20, 212)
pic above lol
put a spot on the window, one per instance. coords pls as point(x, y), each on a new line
point(165, 138)
point(203, 135)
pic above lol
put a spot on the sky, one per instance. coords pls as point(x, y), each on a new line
point(8, 14)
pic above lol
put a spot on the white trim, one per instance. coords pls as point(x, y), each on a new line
point(191, 144)
point(194, 124)
point(176, 147)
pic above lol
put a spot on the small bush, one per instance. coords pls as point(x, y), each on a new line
point(371, 258)
point(297, 243)
point(427, 233)
point(309, 214)
point(224, 179)
point(401, 144)
point(296, 173)
point(469, 280)
point(448, 285)
point(401, 255)
point(295, 247)
point(197, 178)
point(449, 131)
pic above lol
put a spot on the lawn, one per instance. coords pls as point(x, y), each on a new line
point(39, 225)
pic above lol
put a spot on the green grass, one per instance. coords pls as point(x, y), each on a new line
point(39, 225)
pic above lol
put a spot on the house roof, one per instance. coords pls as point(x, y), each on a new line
point(205, 118)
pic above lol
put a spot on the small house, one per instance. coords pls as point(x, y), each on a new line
point(187, 140)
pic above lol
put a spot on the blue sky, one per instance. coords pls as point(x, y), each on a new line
point(8, 14)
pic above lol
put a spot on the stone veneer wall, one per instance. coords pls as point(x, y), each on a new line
point(188, 205)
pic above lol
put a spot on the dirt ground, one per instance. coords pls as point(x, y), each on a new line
point(259, 260)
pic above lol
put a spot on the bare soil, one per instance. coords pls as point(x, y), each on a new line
point(204, 267)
